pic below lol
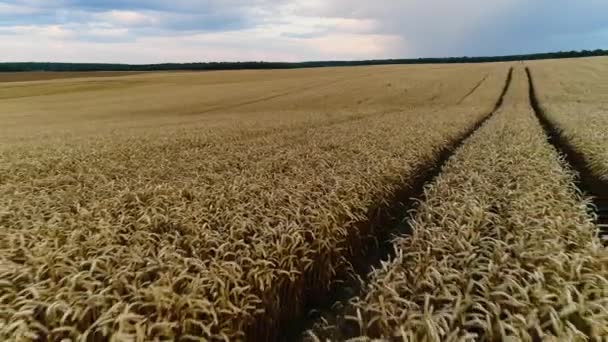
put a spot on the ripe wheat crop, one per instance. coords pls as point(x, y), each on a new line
point(221, 221)
point(573, 94)
point(502, 249)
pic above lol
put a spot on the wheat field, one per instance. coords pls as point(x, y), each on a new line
point(230, 205)
point(502, 248)
point(575, 96)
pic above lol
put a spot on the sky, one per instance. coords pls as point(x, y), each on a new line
point(155, 31)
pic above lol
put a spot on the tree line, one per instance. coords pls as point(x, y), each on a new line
point(49, 66)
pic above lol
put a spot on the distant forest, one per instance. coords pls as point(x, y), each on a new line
point(45, 66)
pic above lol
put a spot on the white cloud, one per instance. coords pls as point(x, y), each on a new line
point(232, 46)
point(47, 32)
point(9, 9)
point(108, 32)
point(353, 46)
point(127, 18)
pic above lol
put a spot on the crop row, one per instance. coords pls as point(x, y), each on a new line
point(573, 99)
point(182, 236)
point(502, 248)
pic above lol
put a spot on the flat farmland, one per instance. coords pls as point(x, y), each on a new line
point(280, 204)
point(50, 75)
point(221, 98)
point(502, 247)
point(575, 97)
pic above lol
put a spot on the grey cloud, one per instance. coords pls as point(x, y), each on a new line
point(209, 15)
point(474, 27)
point(426, 27)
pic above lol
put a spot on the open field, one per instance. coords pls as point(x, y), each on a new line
point(502, 247)
point(573, 106)
point(50, 75)
point(575, 98)
point(230, 205)
point(220, 100)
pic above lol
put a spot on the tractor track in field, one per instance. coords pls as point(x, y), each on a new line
point(586, 181)
point(373, 249)
point(473, 89)
point(293, 91)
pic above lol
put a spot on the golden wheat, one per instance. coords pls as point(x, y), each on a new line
point(187, 231)
point(573, 96)
point(502, 249)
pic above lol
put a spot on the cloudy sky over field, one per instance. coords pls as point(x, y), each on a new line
point(150, 31)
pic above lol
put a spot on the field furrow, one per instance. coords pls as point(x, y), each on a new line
point(575, 103)
point(502, 248)
point(573, 108)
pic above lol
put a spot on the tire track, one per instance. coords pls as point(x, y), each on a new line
point(316, 85)
point(587, 182)
point(473, 90)
point(395, 216)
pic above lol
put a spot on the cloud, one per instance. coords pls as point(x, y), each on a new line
point(127, 18)
point(354, 46)
point(52, 32)
point(187, 30)
point(13, 9)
